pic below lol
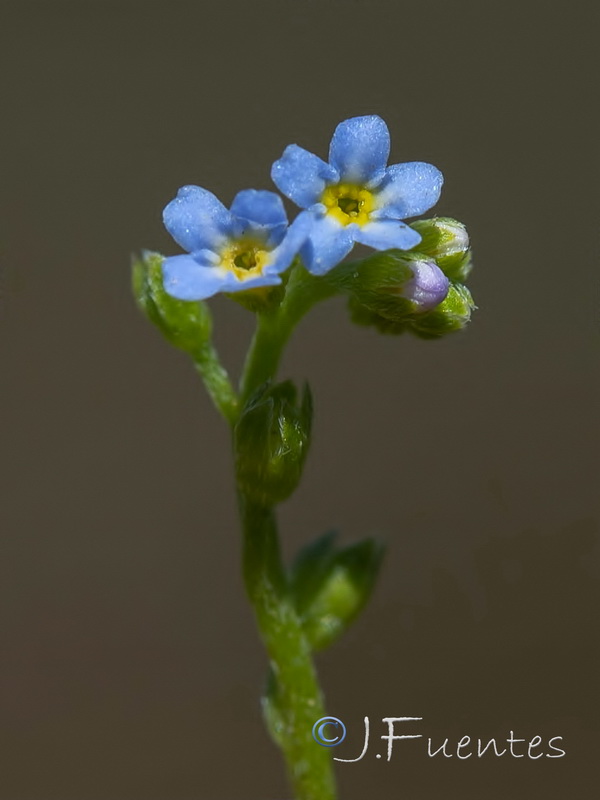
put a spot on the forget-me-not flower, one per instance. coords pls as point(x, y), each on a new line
point(356, 197)
point(245, 247)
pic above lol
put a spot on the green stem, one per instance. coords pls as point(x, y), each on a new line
point(217, 382)
point(294, 702)
point(274, 328)
point(265, 352)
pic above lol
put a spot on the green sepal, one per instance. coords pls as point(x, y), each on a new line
point(446, 241)
point(271, 442)
point(261, 299)
point(376, 283)
point(371, 279)
point(185, 324)
point(452, 314)
point(330, 588)
point(361, 315)
point(457, 267)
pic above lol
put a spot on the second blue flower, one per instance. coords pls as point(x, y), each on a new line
point(356, 197)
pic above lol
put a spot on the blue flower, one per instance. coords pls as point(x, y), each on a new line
point(246, 247)
point(356, 198)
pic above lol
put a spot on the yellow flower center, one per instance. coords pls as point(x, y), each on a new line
point(348, 203)
point(245, 258)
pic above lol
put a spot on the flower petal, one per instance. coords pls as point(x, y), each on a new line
point(260, 212)
point(302, 176)
point(260, 207)
point(360, 148)
point(428, 287)
point(283, 255)
point(235, 284)
point(192, 278)
point(196, 219)
point(409, 189)
point(198, 277)
point(327, 244)
point(385, 234)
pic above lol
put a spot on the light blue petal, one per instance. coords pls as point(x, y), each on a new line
point(428, 287)
point(302, 176)
point(275, 236)
point(387, 234)
point(260, 212)
point(196, 219)
point(192, 277)
point(260, 207)
point(360, 148)
point(282, 256)
point(327, 244)
point(409, 189)
point(235, 284)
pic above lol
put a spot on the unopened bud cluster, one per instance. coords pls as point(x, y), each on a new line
point(419, 290)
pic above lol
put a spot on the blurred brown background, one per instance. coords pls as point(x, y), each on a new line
point(130, 666)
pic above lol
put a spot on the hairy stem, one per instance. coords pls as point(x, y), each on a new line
point(217, 382)
point(275, 327)
point(293, 702)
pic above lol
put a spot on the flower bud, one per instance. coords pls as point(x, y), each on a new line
point(388, 289)
point(185, 324)
point(427, 288)
point(446, 241)
point(271, 441)
point(451, 315)
point(331, 587)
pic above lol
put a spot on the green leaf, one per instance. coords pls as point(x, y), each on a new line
point(310, 569)
point(273, 712)
point(330, 588)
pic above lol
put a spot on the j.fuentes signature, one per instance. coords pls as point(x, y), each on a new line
point(331, 731)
